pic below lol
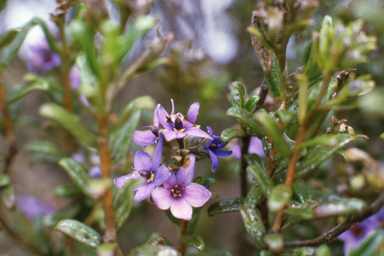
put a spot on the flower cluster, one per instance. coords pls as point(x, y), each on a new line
point(172, 188)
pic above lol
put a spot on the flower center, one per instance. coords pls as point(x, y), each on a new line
point(213, 146)
point(155, 131)
point(177, 191)
point(148, 175)
point(357, 230)
point(47, 56)
point(179, 125)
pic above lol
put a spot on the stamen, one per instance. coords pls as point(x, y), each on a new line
point(179, 125)
point(155, 131)
point(177, 191)
point(148, 175)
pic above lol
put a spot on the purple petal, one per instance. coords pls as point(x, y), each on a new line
point(198, 133)
point(143, 191)
point(181, 209)
point(33, 207)
point(196, 195)
point(236, 151)
point(95, 172)
point(74, 78)
point(83, 99)
point(256, 147)
point(121, 180)
point(142, 161)
point(173, 107)
point(155, 119)
point(157, 155)
point(162, 117)
point(143, 138)
point(221, 153)
point(170, 182)
point(193, 112)
point(185, 174)
point(170, 135)
point(162, 175)
point(162, 197)
point(187, 124)
point(214, 160)
point(210, 131)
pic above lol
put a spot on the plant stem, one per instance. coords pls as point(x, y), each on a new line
point(183, 231)
point(243, 165)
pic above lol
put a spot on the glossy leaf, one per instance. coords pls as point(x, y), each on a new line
point(42, 146)
point(256, 160)
point(245, 119)
point(42, 158)
point(80, 232)
point(8, 37)
point(235, 98)
point(231, 133)
point(303, 210)
point(301, 190)
point(262, 178)
point(279, 196)
point(251, 103)
point(240, 88)
point(253, 197)
point(194, 241)
point(339, 207)
point(372, 245)
point(76, 172)
point(154, 250)
point(226, 205)
point(106, 249)
point(274, 80)
point(285, 116)
point(70, 122)
point(5, 180)
point(209, 252)
point(123, 201)
point(253, 224)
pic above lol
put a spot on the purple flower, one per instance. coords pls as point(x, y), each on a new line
point(176, 126)
point(95, 172)
point(74, 78)
point(33, 207)
point(214, 148)
point(148, 137)
point(179, 194)
point(255, 147)
point(43, 58)
point(154, 174)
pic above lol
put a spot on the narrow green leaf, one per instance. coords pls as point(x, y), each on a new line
point(235, 98)
point(226, 205)
point(80, 232)
point(194, 241)
point(382, 136)
point(41, 85)
point(209, 252)
point(153, 250)
point(339, 207)
point(106, 249)
point(67, 191)
point(253, 224)
point(301, 190)
point(303, 210)
point(123, 201)
point(253, 197)
point(231, 133)
point(285, 116)
point(273, 131)
point(3, 3)
point(251, 103)
point(266, 253)
point(50, 38)
point(4, 180)
point(121, 139)
point(245, 119)
point(42, 146)
point(240, 88)
point(70, 122)
point(323, 250)
point(280, 195)
point(274, 80)
point(262, 178)
point(76, 172)
point(41, 158)
point(9, 36)
point(256, 160)
point(371, 245)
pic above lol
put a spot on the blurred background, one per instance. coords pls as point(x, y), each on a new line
point(211, 49)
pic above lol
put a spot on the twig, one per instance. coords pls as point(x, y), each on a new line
point(262, 95)
point(341, 228)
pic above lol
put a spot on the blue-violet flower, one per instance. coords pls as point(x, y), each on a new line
point(214, 148)
point(43, 58)
point(148, 137)
point(255, 147)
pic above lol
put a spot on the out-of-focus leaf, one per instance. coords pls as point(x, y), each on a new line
point(8, 36)
point(7, 196)
point(253, 197)
point(76, 172)
point(2, 158)
point(3, 3)
point(51, 220)
point(285, 116)
point(274, 80)
point(279, 196)
point(301, 190)
point(240, 88)
point(194, 241)
point(80, 232)
point(66, 191)
point(245, 119)
point(339, 207)
point(41, 85)
point(42, 146)
point(372, 245)
point(70, 122)
point(256, 160)
point(40, 158)
point(303, 251)
point(50, 38)
point(226, 205)
point(4, 180)
point(207, 182)
point(154, 250)
point(382, 136)
point(106, 249)
point(231, 133)
point(209, 252)
point(323, 250)
point(275, 243)
point(158, 235)
point(273, 131)
point(251, 103)
point(262, 178)
point(253, 224)
point(266, 253)
point(123, 201)
point(121, 139)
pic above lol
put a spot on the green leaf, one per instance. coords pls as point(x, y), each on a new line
point(207, 182)
point(9, 36)
point(123, 201)
point(41, 85)
point(121, 139)
point(235, 98)
point(4, 180)
point(50, 38)
point(256, 160)
point(339, 207)
point(253, 224)
point(106, 249)
point(301, 190)
point(303, 210)
point(285, 116)
point(231, 133)
point(274, 80)
point(153, 250)
point(382, 136)
point(323, 250)
point(371, 245)
point(70, 122)
point(209, 252)
point(80, 232)
point(262, 178)
point(226, 205)
point(273, 131)
point(245, 119)
point(3, 3)
point(7, 196)
point(76, 172)
point(194, 241)
point(275, 243)
point(253, 197)
point(280, 195)
point(240, 88)
point(42, 146)
point(251, 103)
point(66, 191)
point(266, 253)
point(40, 158)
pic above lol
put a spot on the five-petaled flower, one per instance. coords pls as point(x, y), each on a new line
point(148, 137)
point(214, 148)
point(179, 194)
point(43, 58)
point(153, 174)
point(177, 126)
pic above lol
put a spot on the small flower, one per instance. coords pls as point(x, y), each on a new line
point(74, 78)
point(179, 194)
point(33, 207)
point(255, 147)
point(177, 126)
point(153, 174)
point(148, 137)
point(43, 58)
point(214, 148)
